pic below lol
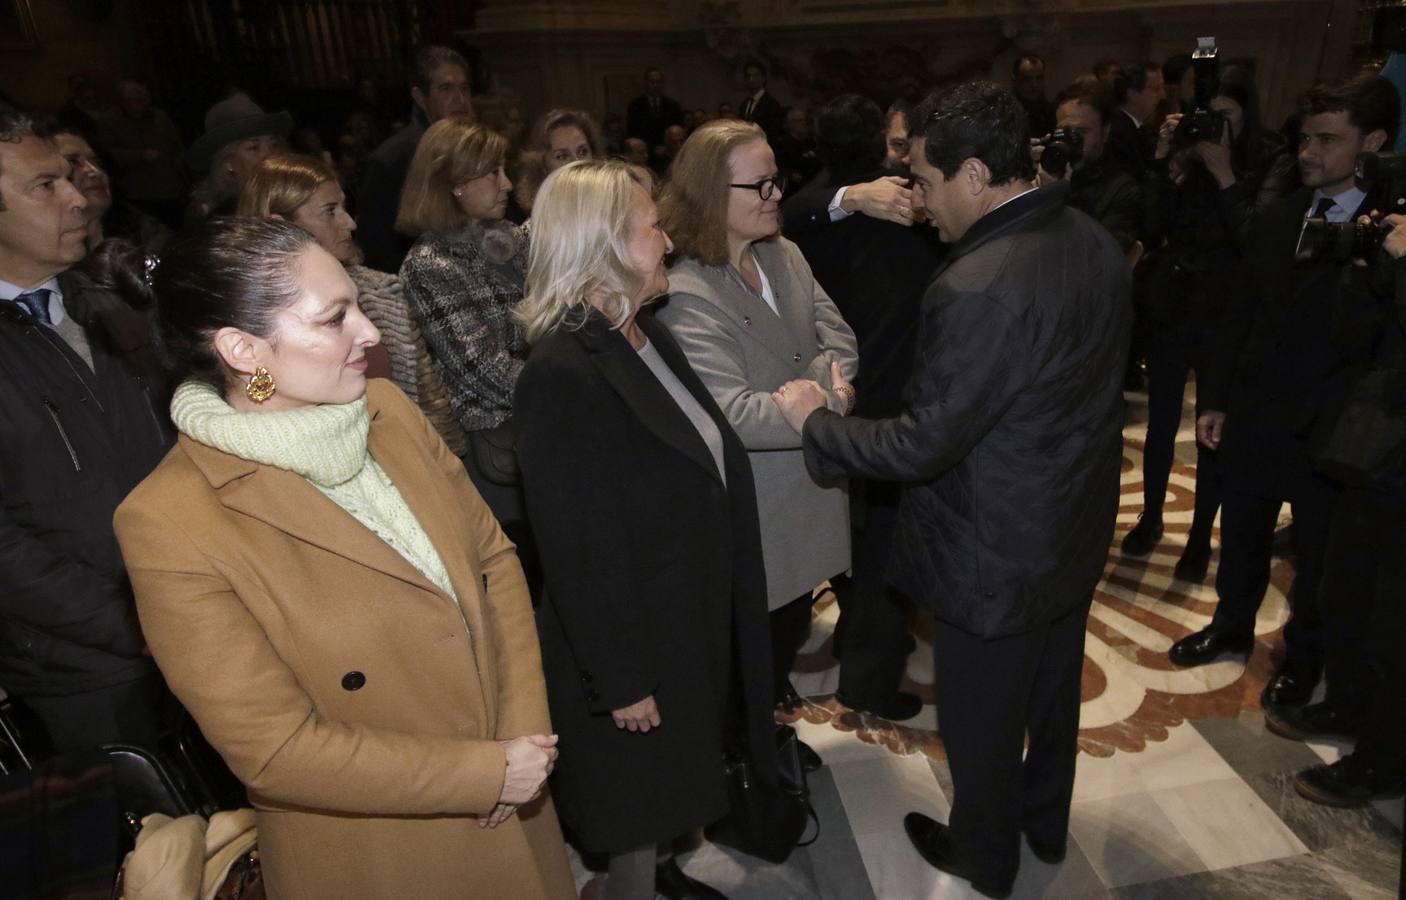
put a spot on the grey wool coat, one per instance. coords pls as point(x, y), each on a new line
point(743, 351)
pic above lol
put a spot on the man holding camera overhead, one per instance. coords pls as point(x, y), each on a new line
point(1284, 358)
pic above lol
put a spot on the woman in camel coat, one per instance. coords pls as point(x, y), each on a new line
point(330, 598)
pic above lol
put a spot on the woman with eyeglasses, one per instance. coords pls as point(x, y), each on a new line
point(750, 316)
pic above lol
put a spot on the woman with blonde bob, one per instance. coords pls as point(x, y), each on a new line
point(558, 138)
point(751, 317)
point(305, 191)
point(463, 276)
point(642, 501)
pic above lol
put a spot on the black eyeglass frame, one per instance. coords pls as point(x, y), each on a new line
point(777, 182)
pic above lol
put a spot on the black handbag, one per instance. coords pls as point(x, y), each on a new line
point(767, 821)
point(495, 454)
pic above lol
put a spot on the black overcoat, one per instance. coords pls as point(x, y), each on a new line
point(653, 585)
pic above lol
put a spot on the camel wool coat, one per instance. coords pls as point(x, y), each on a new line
point(360, 705)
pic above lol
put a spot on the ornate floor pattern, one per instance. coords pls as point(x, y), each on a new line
point(1180, 792)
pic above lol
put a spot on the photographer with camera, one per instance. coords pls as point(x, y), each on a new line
point(1363, 582)
point(1076, 151)
point(1284, 358)
point(1203, 195)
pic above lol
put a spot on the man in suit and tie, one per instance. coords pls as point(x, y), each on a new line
point(1137, 92)
point(1289, 344)
point(78, 430)
point(651, 113)
point(759, 105)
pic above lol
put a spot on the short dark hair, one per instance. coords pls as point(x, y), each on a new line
point(849, 135)
point(15, 126)
point(1103, 65)
point(1095, 97)
point(226, 272)
point(1370, 101)
point(1133, 77)
point(1022, 59)
point(899, 107)
point(754, 64)
point(431, 57)
point(982, 120)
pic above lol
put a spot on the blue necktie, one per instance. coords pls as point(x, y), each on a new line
point(37, 303)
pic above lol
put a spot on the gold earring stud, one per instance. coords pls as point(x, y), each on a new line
point(261, 386)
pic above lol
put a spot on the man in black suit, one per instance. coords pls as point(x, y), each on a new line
point(1010, 444)
point(1287, 346)
point(82, 428)
point(759, 105)
point(1098, 186)
point(649, 114)
point(1137, 92)
point(876, 272)
point(440, 87)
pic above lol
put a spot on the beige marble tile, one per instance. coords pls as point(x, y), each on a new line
point(1129, 839)
point(897, 872)
point(878, 793)
point(1227, 824)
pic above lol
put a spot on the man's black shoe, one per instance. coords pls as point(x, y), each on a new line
point(1287, 688)
point(1194, 563)
point(1208, 645)
point(671, 882)
point(934, 844)
point(898, 707)
point(790, 700)
point(1348, 782)
point(1143, 537)
point(1316, 720)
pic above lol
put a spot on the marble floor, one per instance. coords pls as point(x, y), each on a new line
point(1180, 790)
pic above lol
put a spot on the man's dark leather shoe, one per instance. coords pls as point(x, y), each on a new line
point(934, 844)
point(1143, 537)
point(1348, 782)
point(898, 707)
point(1193, 565)
point(1208, 645)
point(1050, 856)
point(1287, 688)
point(1316, 720)
point(671, 882)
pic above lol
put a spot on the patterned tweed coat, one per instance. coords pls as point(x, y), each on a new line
point(462, 286)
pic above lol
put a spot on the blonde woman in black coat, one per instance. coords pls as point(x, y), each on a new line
point(655, 598)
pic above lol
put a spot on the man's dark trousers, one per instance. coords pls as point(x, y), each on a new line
point(1364, 600)
point(871, 636)
point(1247, 537)
point(989, 694)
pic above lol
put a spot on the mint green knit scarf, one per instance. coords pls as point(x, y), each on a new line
point(326, 445)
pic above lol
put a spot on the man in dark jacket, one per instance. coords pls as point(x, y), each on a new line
point(1011, 445)
point(1097, 185)
point(78, 430)
point(440, 87)
point(1285, 354)
point(649, 114)
point(759, 105)
point(876, 272)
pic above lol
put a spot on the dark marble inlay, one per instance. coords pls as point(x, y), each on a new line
point(1292, 876)
point(1250, 750)
point(1320, 827)
point(1366, 868)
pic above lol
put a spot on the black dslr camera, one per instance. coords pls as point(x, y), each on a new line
point(1382, 176)
point(1063, 147)
point(1203, 123)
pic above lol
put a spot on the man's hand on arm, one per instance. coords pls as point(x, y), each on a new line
point(885, 198)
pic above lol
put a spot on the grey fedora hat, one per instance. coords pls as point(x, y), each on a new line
point(234, 119)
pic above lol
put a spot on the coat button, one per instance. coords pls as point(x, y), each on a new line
point(353, 681)
point(796, 358)
point(747, 320)
point(585, 677)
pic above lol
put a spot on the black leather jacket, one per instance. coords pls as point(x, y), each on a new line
point(1011, 441)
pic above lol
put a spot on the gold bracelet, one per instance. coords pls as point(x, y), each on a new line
point(847, 392)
